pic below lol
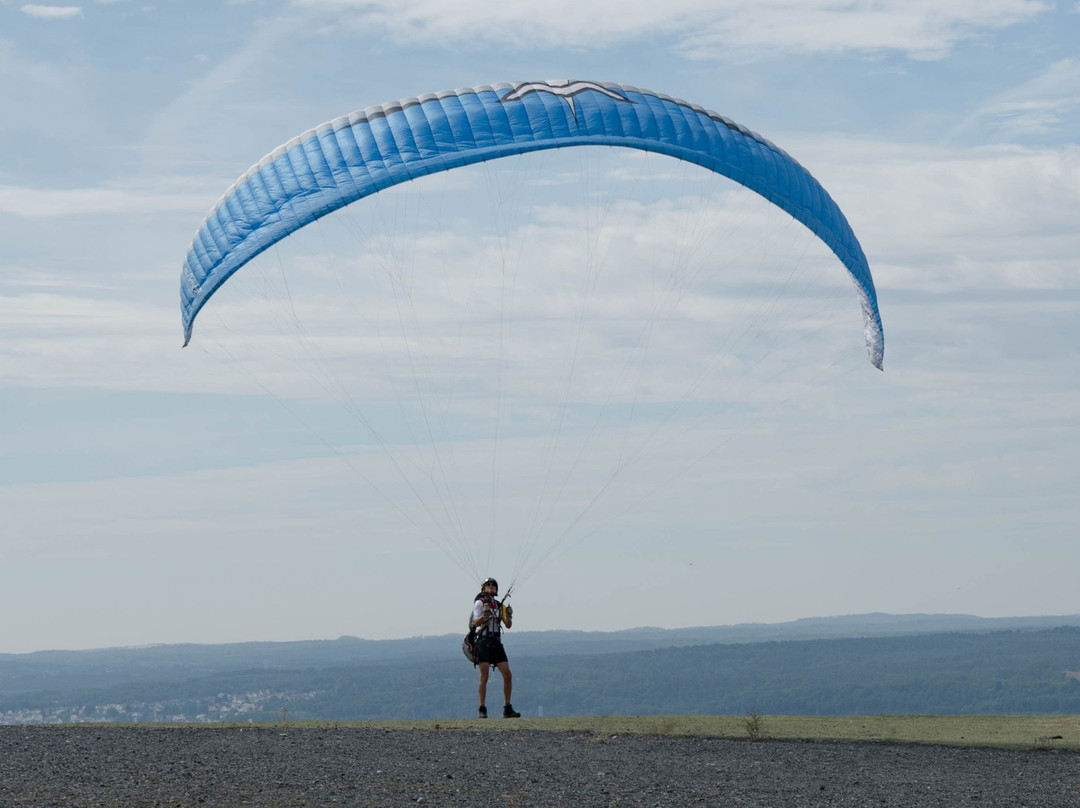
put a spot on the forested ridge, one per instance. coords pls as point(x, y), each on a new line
point(999, 672)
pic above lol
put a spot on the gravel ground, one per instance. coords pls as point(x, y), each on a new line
point(329, 766)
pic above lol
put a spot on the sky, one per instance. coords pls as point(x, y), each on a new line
point(153, 494)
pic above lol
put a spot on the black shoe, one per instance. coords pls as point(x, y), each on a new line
point(508, 712)
point(483, 712)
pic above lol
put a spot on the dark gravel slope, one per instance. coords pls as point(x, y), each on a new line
point(298, 767)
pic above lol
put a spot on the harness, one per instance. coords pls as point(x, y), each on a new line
point(489, 632)
point(492, 627)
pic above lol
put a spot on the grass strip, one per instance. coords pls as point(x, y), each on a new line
point(1001, 731)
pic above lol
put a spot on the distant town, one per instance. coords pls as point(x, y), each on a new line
point(223, 707)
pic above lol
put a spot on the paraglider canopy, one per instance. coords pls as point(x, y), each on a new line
point(362, 153)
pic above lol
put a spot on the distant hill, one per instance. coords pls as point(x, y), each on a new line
point(66, 670)
point(864, 664)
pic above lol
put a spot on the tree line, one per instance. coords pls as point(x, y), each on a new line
point(1007, 672)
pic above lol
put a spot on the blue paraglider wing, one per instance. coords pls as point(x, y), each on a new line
point(360, 154)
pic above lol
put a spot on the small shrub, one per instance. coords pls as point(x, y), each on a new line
point(1046, 741)
point(754, 726)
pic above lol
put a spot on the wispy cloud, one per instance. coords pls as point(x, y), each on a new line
point(59, 339)
point(707, 28)
point(17, 65)
point(1038, 107)
point(923, 29)
point(992, 218)
point(189, 106)
point(36, 202)
point(51, 12)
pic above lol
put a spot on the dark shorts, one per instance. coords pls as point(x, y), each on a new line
point(490, 651)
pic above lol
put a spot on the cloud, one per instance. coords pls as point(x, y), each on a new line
point(38, 202)
point(1038, 107)
point(191, 105)
point(26, 71)
point(924, 29)
point(94, 341)
point(992, 218)
point(706, 29)
point(52, 12)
